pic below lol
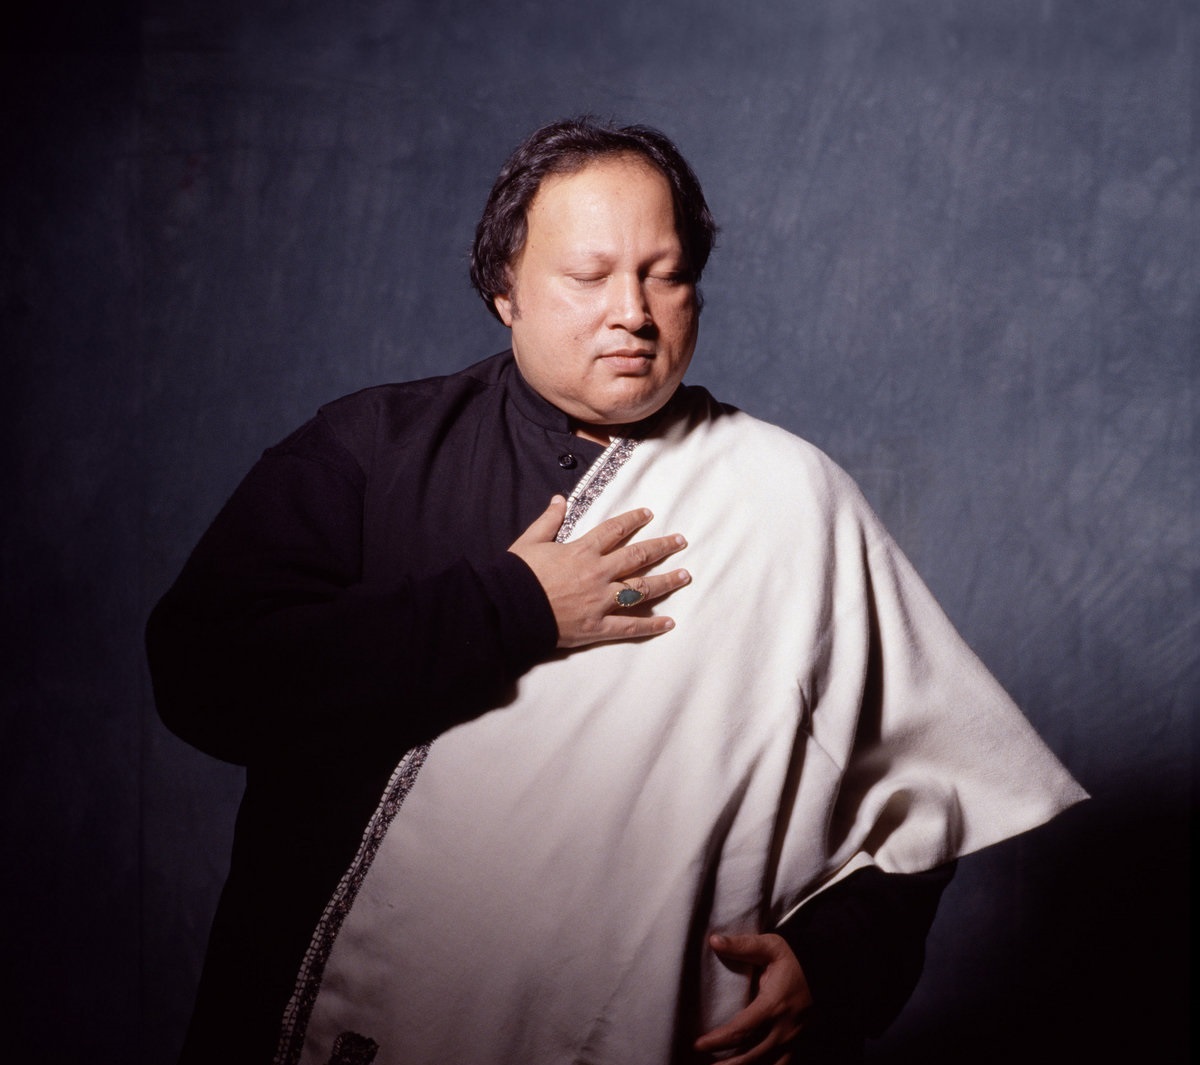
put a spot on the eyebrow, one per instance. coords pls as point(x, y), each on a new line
point(590, 256)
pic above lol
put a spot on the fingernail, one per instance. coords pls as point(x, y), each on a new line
point(683, 576)
point(668, 625)
point(680, 541)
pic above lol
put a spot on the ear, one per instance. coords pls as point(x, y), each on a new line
point(504, 307)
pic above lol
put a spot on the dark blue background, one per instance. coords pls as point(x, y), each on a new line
point(958, 253)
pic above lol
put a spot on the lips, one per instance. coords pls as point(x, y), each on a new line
point(628, 359)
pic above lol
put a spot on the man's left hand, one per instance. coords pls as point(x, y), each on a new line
point(763, 1031)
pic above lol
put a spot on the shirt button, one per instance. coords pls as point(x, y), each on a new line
point(566, 460)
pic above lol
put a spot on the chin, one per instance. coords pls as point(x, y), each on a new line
point(630, 415)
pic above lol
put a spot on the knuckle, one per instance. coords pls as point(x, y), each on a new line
point(613, 526)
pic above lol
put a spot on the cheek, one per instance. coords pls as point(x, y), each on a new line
point(684, 328)
point(572, 321)
point(678, 313)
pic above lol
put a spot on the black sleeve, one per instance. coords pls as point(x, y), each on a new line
point(861, 944)
point(271, 641)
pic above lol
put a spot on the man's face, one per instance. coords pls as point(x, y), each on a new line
point(603, 317)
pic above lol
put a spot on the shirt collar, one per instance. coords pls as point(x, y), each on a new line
point(536, 408)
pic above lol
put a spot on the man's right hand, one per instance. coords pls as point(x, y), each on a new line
point(581, 578)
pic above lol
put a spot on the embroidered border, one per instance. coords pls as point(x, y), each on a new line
point(598, 478)
point(350, 1048)
point(312, 968)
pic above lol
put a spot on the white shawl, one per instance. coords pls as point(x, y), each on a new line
point(540, 888)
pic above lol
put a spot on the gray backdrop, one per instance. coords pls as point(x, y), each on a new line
point(958, 252)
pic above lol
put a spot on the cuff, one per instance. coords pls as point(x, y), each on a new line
point(526, 623)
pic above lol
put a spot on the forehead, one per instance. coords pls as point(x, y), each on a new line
point(614, 194)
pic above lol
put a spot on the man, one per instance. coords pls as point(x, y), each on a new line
point(500, 807)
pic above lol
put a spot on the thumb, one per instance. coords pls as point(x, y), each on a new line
point(545, 526)
point(753, 949)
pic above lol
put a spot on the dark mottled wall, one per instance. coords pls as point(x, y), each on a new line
point(958, 252)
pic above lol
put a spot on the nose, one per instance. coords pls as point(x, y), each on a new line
point(628, 306)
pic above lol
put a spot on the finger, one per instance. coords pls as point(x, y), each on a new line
point(737, 1031)
point(614, 531)
point(545, 526)
point(654, 587)
point(762, 1054)
point(762, 1043)
point(635, 557)
point(623, 626)
point(768, 1052)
